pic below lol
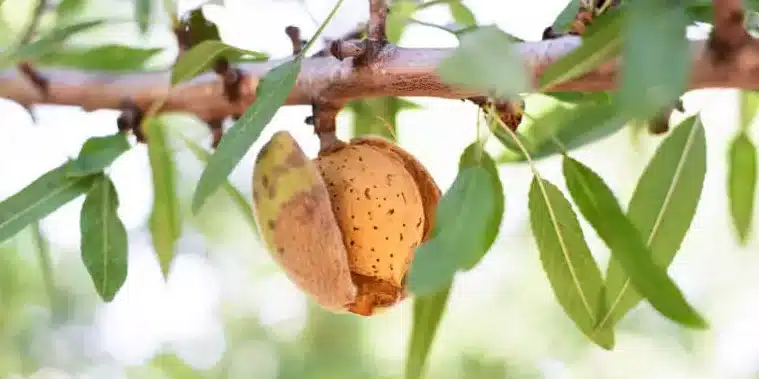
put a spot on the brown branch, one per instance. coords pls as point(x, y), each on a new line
point(324, 120)
point(728, 38)
point(398, 72)
point(377, 20)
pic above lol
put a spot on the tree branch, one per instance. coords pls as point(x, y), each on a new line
point(397, 72)
point(728, 38)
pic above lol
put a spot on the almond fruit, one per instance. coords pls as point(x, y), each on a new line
point(345, 225)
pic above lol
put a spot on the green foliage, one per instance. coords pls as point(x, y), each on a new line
point(271, 94)
point(97, 153)
point(565, 126)
point(427, 313)
point(486, 60)
point(47, 43)
point(203, 56)
point(378, 116)
point(467, 222)
point(143, 13)
point(165, 221)
point(243, 205)
point(656, 55)
point(566, 258)
point(741, 184)
point(40, 198)
point(597, 203)
point(601, 42)
point(103, 238)
point(109, 57)
point(661, 208)
point(647, 35)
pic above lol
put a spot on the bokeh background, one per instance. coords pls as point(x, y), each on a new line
point(227, 311)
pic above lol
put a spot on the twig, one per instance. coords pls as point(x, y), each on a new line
point(399, 72)
point(325, 125)
point(728, 37)
point(294, 33)
point(345, 49)
point(377, 20)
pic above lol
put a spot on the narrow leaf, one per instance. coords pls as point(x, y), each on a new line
point(461, 14)
point(466, 224)
point(67, 9)
point(741, 184)
point(565, 18)
point(487, 60)
point(241, 201)
point(97, 153)
point(201, 57)
point(656, 56)
point(565, 128)
point(400, 12)
point(427, 313)
point(100, 58)
point(602, 41)
point(271, 93)
point(749, 104)
point(165, 222)
point(40, 198)
point(661, 208)
point(103, 238)
point(49, 42)
point(597, 203)
point(567, 260)
point(143, 10)
point(377, 116)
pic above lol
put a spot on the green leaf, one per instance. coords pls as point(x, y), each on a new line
point(97, 153)
point(601, 42)
point(100, 58)
point(467, 221)
point(487, 60)
point(142, 13)
point(202, 57)
point(241, 201)
point(165, 221)
point(40, 198)
point(661, 208)
point(103, 238)
point(568, 127)
point(741, 184)
point(565, 18)
point(461, 14)
point(67, 9)
point(597, 203)
point(198, 28)
point(656, 56)
point(400, 12)
point(428, 310)
point(271, 93)
point(48, 43)
point(567, 261)
point(749, 105)
point(377, 116)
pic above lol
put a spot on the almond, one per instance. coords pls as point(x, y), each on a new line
point(381, 203)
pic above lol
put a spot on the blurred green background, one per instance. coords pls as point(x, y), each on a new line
point(227, 311)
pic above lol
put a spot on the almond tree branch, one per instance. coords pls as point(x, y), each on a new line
point(728, 22)
point(397, 72)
